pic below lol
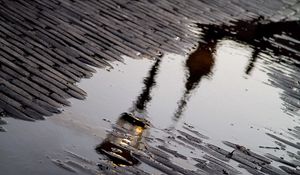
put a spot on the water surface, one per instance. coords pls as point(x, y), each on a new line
point(225, 90)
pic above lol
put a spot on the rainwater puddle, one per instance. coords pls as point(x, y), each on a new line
point(224, 103)
point(221, 103)
point(218, 91)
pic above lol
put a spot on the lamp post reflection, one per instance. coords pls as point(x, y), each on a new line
point(254, 33)
point(128, 134)
point(198, 65)
point(131, 127)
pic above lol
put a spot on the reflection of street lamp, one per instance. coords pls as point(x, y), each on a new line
point(198, 65)
point(130, 129)
point(253, 33)
point(128, 134)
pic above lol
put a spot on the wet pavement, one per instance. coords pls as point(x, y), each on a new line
point(207, 118)
point(229, 105)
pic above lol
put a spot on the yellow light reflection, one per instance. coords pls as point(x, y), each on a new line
point(139, 130)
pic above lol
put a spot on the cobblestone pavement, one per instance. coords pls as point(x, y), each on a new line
point(49, 45)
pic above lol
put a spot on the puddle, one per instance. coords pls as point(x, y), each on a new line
point(232, 88)
point(29, 147)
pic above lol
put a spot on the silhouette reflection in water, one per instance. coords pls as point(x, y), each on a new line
point(257, 34)
point(198, 65)
point(279, 40)
point(131, 128)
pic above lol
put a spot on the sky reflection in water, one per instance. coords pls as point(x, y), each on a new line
point(223, 89)
point(231, 91)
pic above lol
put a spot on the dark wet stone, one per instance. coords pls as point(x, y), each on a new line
point(156, 165)
point(173, 152)
point(281, 160)
point(63, 165)
point(2, 121)
point(2, 129)
point(269, 147)
point(290, 170)
point(272, 170)
point(201, 161)
point(175, 167)
point(160, 140)
point(208, 148)
point(104, 167)
point(190, 137)
point(187, 146)
point(196, 132)
point(290, 2)
point(296, 6)
point(79, 166)
point(251, 170)
point(223, 166)
point(223, 154)
point(260, 159)
point(80, 158)
point(284, 141)
point(158, 152)
point(206, 168)
point(293, 155)
point(135, 170)
point(282, 146)
point(106, 120)
point(246, 160)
